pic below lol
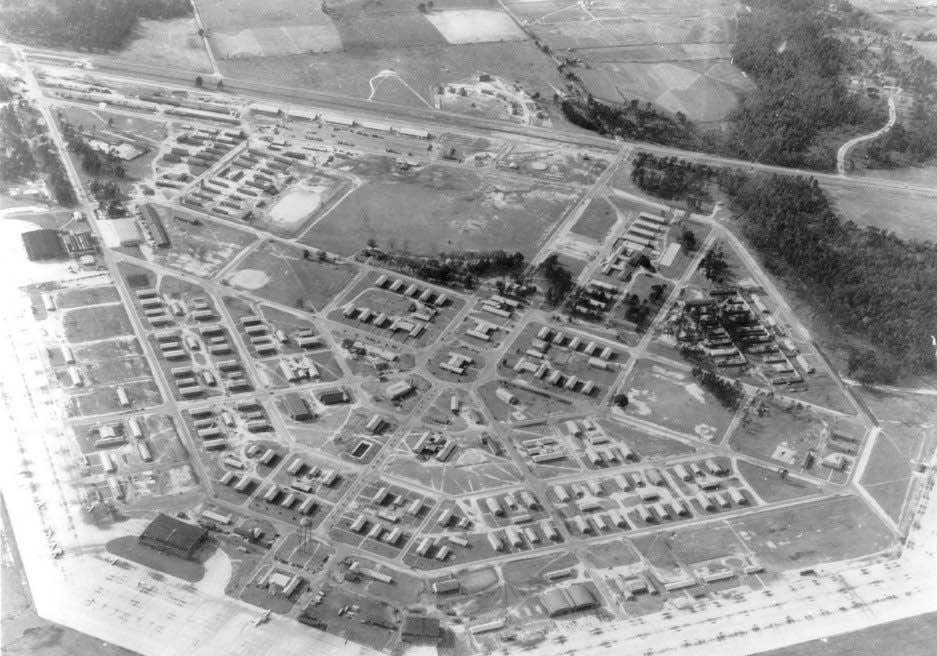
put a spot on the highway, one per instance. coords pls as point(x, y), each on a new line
point(433, 119)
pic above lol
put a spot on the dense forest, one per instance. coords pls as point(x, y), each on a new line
point(874, 284)
point(631, 121)
point(787, 47)
point(461, 269)
point(86, 25)
point(672, 178)
point(26, 151)
point(16, 158)
point(93, 161)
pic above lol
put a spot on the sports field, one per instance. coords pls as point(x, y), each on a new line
point(436, 210)
point(670, 397)
point(281, 274)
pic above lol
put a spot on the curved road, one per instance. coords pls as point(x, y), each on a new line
point(846, 147)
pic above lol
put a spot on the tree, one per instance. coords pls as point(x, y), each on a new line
point(621, 400)
point(688, 240)
point(421, 8)
point(199, 81)
point(714, 266)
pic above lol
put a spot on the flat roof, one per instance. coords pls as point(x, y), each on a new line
point(173, 533)
point(44, 244)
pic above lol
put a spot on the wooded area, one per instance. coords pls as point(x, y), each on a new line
point(872, 283)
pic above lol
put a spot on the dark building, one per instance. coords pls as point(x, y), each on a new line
point(296, 407)
point(152, 226)
point(420, 628)
point(173, 536)
point(334, 397)
point(80, 243)
point(45, 244)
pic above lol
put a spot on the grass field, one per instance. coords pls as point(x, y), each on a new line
point(280, 273)
point(81, 296)
point(672, 398)
point(597, 219)
point(907, 213)
point(98, 322)
point(438, 209)
point(772, 487)
point(889, 471)
point(809, 534)
point(793, 430)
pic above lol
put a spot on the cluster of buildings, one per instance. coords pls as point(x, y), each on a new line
point(434, 444)
point(596, 299)
point(500, 306)
point(646, 234)
point(730, 330)
point(483, 330)
point(412, 290)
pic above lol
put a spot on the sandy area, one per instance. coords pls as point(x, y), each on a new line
point(249, 279)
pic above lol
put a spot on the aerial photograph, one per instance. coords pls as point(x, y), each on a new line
point(468, 327)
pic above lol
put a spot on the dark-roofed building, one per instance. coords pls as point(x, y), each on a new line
point(45, 244)
point(173, 536)
point(575, 598)
point(296, 407)
point(420, 628)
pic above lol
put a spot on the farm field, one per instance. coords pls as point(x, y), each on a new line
point(280, 273)
point(675, 54)
point(436, 210)
point(419, 70)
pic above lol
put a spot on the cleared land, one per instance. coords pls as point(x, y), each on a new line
point(906, 213)
point(814, 533)
point(439, 209)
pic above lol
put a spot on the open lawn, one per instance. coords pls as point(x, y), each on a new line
point(671, 398)
point(437, 209)
point(813, 533)
point(772, 487)
point(888, 473)
point(281, 274)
